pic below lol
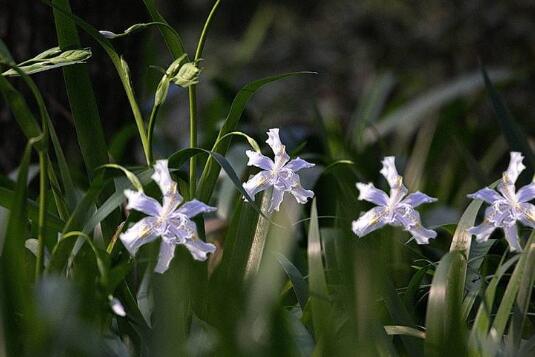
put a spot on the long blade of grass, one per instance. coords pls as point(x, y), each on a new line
point(445, 327)
point(80, 93)
point(317, 283)
point(513, 133)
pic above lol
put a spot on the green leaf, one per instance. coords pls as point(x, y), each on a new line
point(129, 175)
point(82, 100)
point(66, 30)
point(138, 27)
point(513, 133)
point(211, 170)
point(445, 327)
point(172, 38)
point(404, 330)
point(408, 117)
point(299, 284)
point(319, 294)
point(14, 277)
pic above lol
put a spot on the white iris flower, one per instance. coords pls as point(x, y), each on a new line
point(398, 209)
point(281, 173)
point(507, 206)
point(171, 221)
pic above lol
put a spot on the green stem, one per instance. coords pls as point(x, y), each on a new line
point(192, 90)
point(192, 138)
point(150, 132)
point(43, 174)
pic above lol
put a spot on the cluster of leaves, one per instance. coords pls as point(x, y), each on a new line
point(280, 285)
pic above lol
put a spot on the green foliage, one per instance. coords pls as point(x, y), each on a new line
point(296, 282)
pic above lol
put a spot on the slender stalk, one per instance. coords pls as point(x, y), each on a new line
point(192, 91)
point(43, 174)
point(259, 239)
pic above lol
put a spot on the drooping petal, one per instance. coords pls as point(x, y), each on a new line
point(143, 232)
point(390, 172)
point(259, 160)
point(527, 217)
point(199, 249)
point(515, 168)
point(167, 252)
point(300, 194)
point(482, 231)
point(418, 198)
point(486, 194)
point(281, 157)
point(511, 235)
point(194, 207)
point(140, 202)
point(368, 192)
point(276, 199)
point(163, 178)
point(257, 183)
point(422, 234)
point(526, 193)
point(369, 221)
point(298, 164)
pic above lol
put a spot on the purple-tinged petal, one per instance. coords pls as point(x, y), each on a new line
point(194, 207)
point(526, 193)
point(300, 194)
point(369, 221)
point(143, 232)
point(422, 234)
point(281, 157)
point(163, 178)
point(418, 198)
point(140, 202)
point(486, 194)
point(199, 249)
point(259, 160)
point(511, 235)
point(482, 231)
point(167, 252)
point(257, 183)
point(180, 227)
point(276, 199)
point(406, 216)
point(390, 172)
point(515, 168)
point(298, 164)
point(527, 217)
point(368, 192)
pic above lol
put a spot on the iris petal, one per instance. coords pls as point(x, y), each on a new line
point(418, 198)
point(486, 194)
point(194, 207)
point(298, 164)
point(511, 235)
point(482, 231)
point(163, 178)
point(257, 183)
point(167, 252)
point(422, 234)
point(259, 160)
point(528, 214)
point(368, 192)
point(274, 141)
point(515, 168)
point(144, 231)
point(526, 193)
point(390, 172)
point(276, 199)
point(138, 201)
point(300, 194)
point(369, 221)
point(199, 249)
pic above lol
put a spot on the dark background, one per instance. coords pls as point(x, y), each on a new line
point(349, 43)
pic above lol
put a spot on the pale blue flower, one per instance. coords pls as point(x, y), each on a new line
point(507, 206)
point(171, 221)
point(281, 173)
point(398, 209)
